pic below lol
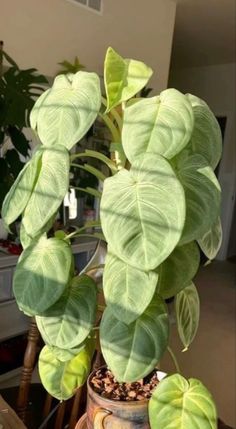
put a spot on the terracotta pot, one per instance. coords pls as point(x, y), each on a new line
point(104, 413)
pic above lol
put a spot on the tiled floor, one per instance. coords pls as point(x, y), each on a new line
point(212, 356)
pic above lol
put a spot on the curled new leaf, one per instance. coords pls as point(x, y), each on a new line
point(178, 403)
point(123, 78)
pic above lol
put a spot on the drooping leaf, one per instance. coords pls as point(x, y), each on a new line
point(69, 321)
point(41, 275)
point(67, 111)
point(206, 138)
point(19, 194)
point(123, 78)
point(61, 379)
point(211, 241)
point(178, 403)
point(132, 351)
point(19, 140)
point(143, 212)
point(176, 272)
point(161, 125)
point(128, 291)
point(187, 308)
point(203, 196)
point(49, 191)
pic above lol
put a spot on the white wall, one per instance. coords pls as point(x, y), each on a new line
point(40, 33)
point(216, 85)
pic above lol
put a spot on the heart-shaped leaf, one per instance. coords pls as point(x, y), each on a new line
point(211, 241)
point(187, 308)
point(49, 191)
point(123, 78)
point(61, 379)
point(178, 403)
point(203, 196)
point(67, 111)
point(132, 351)
point(41, 275)
point(206, 138)
point(69, 321)
point(128, 291)
point(20, 192)
point(161, 125)
point(176, 272)
point(143, 212)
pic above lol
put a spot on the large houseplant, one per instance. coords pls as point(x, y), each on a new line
point(160, 202)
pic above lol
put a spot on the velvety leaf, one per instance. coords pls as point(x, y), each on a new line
point(211, 241)
point(143, 212)
point(49, 191)
point(64, 355)
point(61, 379)
point(161, 125)
point(176, 272)
point(123, 78)
point(187, 308)
point(206, 139)
point(203, 196)
point(128, 291)
point(19, 140)
point(69, 321)
point(178, 403)
point(20, 192)
point(67, 111)
point(41, 275)
point(132, 351)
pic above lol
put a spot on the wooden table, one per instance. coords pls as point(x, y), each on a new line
point(8, 417)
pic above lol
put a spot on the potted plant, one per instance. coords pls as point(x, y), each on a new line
point(160, 203)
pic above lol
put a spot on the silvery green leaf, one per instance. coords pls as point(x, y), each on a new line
point(128, 291)
point(41, 275)
point(162, 125)
point(178, 403)
point(143, 212)
point(206, 138)
point(211, 241)
point(132, 351)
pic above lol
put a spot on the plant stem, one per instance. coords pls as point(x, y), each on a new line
point(174, 359)
point(78, 230)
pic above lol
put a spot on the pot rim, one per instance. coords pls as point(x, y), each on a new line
point(112, 401)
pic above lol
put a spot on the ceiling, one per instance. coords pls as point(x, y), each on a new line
point(204, 33)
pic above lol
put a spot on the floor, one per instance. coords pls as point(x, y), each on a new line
point(212, 355)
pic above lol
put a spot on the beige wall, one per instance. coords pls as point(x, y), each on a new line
point(40, 33)
point(216, 85)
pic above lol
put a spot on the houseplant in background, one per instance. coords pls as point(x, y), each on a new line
point(18, 92)
point(160, 199)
